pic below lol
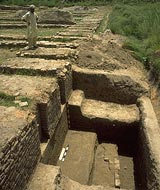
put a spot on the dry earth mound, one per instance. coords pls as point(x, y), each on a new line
point(105, 53)
point(56, 16)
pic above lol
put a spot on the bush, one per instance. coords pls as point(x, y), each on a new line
point(141, 24)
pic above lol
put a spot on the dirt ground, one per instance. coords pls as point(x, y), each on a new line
point(105, 52)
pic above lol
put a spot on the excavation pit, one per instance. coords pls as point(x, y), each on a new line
point(92, 161)
point(98, 152)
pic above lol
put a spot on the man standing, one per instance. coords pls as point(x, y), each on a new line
point(31, 19)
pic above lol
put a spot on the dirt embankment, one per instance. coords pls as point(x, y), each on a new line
point(105, 52)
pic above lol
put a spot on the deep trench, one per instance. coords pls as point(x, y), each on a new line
point(127, 143)
point(126, 139)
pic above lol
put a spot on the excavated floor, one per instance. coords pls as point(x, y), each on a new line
point(91, 163)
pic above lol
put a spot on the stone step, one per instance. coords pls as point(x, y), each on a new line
point(47, 44)
point(88, 114)
point(49, 53)
point(40, 94)
point(80, 156)
point(45, 177)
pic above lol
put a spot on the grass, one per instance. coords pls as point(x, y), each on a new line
point(103, 24)
point(8, 100)
point(49, 31)
point(52, 3)
point(141, 24)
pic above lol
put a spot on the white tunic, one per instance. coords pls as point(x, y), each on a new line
point(31, 19)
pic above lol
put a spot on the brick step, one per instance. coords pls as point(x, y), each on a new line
point(48, 44)
point(50, 38)
point(79, 34)
point(81, 27)
point(49, 53)
point(90, 113)
point(78, 30)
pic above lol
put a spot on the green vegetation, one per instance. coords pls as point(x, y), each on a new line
point(8, 100)
point(49, 31)
point(141, 24)
point(51, 3)
point(103, 25)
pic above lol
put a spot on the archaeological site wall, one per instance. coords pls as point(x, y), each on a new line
point(20, 149)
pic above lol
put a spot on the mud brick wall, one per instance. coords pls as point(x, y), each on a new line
point(49, 113)
point(19, 157)
point(53, 149)
point(65, 83)
point(108, 87)
point(149, 152)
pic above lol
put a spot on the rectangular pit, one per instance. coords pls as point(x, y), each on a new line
point(86, 160)
point(116, 154)
point(92, 163)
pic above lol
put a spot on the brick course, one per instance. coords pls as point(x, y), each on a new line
point(19, 147)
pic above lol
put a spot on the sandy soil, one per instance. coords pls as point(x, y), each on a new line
point(105, 52)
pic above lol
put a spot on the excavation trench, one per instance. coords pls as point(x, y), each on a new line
point(102, 157)
point(103, 140)
point(97, 152)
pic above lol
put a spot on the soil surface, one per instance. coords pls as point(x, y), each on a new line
point(105, 52)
